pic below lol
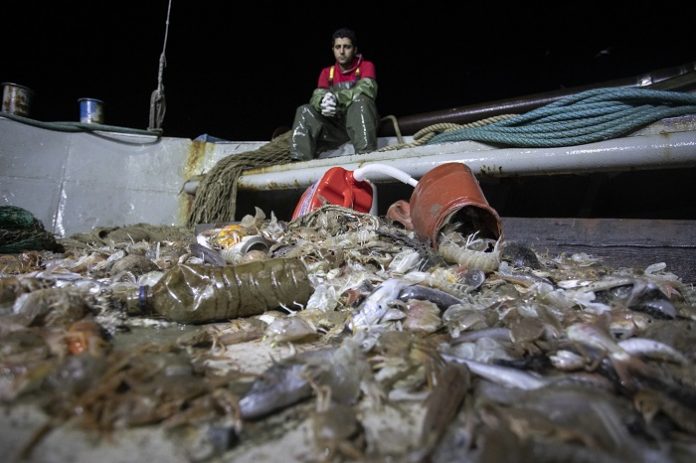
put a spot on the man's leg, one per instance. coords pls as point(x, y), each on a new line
point(312, 133)
point(362, 121)
point(305, 131)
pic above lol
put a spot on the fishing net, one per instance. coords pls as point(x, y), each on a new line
point(108, 236)
point(21, 231)
point(216, 196)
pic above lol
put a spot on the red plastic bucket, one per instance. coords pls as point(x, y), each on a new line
point(337, 186)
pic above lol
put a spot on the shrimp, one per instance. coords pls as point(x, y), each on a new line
point(467, 254)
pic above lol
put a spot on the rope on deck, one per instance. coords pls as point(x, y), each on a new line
point(590, 116)
point(426, 133)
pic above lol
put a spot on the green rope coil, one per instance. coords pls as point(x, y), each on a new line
point(586, 117)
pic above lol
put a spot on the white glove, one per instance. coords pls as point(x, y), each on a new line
point(328, 105)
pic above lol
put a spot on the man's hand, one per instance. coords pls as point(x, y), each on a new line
point(328, 105)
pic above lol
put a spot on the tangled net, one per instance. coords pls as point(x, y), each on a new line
point(21, 231)
point(216, 196)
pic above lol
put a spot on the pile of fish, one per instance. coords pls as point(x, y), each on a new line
point(483, 351)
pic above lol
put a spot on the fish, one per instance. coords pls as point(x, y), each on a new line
point(509, 377)
point(520, 277)
point(567, 360)
point(652, 349)
point(442, 299)
point(208, 255)
point(344, 370)
point(658, 308)
point(622, 361)
point(376, 305)
point(442, 405)
point(283, 384)
point(593, 336)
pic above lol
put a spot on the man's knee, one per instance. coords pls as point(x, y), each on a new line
point(306, 111)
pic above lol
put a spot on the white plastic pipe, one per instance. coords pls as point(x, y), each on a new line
point(661, 151)
point(360, 174)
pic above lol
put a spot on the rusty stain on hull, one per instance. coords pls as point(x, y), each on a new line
point(193, 170)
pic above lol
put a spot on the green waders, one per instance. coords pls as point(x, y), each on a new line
point(312, 132)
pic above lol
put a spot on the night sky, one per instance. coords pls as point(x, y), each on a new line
point(238, 72)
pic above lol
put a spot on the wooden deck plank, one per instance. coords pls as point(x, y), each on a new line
point(619, 242)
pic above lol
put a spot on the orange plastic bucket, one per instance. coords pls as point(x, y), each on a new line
point(448, 193)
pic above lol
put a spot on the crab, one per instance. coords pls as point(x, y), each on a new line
point(337, 431)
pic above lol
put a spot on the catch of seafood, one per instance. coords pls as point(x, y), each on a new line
point(341, 337)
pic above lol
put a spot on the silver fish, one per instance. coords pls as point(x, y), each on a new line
point(436, 296)
point(567, 360)
point(509, 377)
point(344, 370)
point(376, 305)
point(283, 384)
point(652, 349)
point(592, 336)
point(621, 360)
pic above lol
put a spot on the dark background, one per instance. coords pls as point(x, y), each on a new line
point(238, 70)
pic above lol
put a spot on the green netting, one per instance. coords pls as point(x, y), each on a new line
point(21, 231)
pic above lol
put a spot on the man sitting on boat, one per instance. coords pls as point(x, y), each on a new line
point(342, 107)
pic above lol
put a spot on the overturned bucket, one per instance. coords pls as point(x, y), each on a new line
point(91, 111)
point(446, 194)
point(338, 186)
point(16, 99)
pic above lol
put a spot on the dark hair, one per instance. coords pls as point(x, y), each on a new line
point(344, 33)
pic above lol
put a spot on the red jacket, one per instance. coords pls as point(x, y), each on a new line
point(359, 68)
